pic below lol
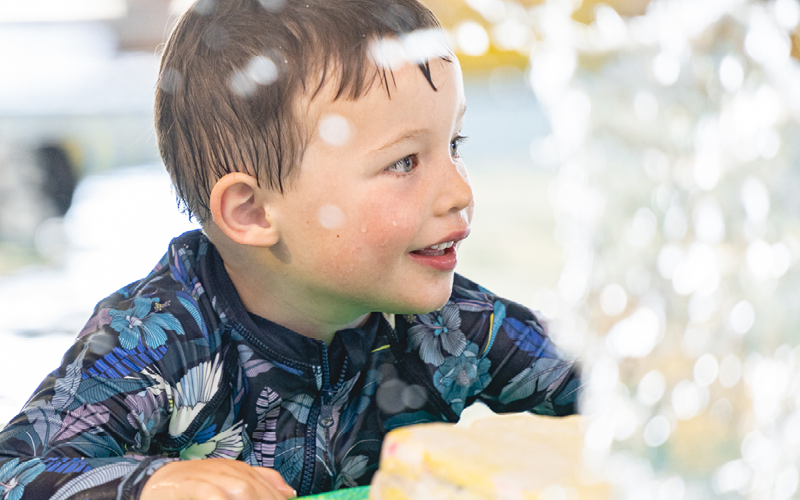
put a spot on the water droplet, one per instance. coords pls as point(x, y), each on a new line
point(394, 223)
point(262, 70)
point(390, 396)
point(171, 80)
point(656, 431)
point(241, 84)
point(699, 268)
point(204, 7)
point(215, 37)
point(642, 228)
point(707, 168)
point(733, 475)
point(414, 397)
point(387, 53)
point(730, 371)
point(666, 68)
point(511, 34)
point(688, 399)
point(330, 216)
point(613, 299)
point(787, 13)
point(425, 44)
point(705, 370)
point(334, 129)
point(673, 488)
point(651, 388)
point(742, 317)
point(636, 335)
point(722, 410)
point(755, 198)
point(787, 482)
point(272, 5)
point(472, 38)
point(675, 225)
point(363, 228)
point(610, 25)
point(731, 73)
point(645, 106)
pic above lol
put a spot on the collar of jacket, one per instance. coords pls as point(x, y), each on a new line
point(274, 342)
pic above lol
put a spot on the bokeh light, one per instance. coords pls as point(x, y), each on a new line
point(673, 136)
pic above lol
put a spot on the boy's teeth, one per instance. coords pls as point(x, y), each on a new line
point(442, 246)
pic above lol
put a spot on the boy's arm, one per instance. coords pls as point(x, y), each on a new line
point(528, 372)
point(96, 427)
point(93, 425)
point(75, 433)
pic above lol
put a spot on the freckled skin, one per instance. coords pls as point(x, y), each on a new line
point(364, 264)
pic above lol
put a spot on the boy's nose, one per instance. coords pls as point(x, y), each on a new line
point(456, 193)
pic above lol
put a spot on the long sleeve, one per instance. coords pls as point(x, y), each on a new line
point(528, 372)
point(77, 433)
point(139, 374)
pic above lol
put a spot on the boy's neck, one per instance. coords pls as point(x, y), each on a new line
point(289, 308)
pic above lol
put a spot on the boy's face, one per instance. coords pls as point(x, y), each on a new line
point(380, 183)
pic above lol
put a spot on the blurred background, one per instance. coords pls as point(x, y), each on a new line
point(635, 168)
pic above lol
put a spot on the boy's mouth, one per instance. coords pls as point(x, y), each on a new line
point(442, 255)
point(436, 250)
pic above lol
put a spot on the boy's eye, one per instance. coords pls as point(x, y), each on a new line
point(454, 144)
point(403, 165)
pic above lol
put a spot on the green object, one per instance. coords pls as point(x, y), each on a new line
point(359, 493)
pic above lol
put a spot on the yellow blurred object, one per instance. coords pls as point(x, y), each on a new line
point(513, 456)
point(627, 8)
point(454, 13)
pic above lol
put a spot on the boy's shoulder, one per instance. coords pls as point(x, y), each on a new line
point(470, 296)
point(470, 323)
point(164, 304)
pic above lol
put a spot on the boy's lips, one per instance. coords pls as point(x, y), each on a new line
point(441, 255)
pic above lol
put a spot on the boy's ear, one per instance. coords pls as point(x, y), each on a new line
point(240, 209)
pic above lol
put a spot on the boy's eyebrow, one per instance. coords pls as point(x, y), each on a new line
point(408, 135)
point(416, 133)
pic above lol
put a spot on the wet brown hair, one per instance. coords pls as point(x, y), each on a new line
point(233, 70)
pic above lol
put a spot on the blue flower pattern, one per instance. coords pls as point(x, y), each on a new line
point(437, 332)
point(140, 321)
point(460, 377)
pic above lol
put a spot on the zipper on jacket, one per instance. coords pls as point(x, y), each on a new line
point(321, 413)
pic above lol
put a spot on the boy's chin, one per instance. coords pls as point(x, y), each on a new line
point(421, 306)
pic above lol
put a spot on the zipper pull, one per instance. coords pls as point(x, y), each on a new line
point(326, 409)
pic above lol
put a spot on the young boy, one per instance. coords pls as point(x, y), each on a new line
point(318, 309)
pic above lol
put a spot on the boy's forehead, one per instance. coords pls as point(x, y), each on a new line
point(381, 86)
point(381, 119)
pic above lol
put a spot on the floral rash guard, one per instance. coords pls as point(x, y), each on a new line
point(173, 367)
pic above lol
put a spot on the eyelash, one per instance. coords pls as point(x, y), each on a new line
point(455, 143)
point(409, 163)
